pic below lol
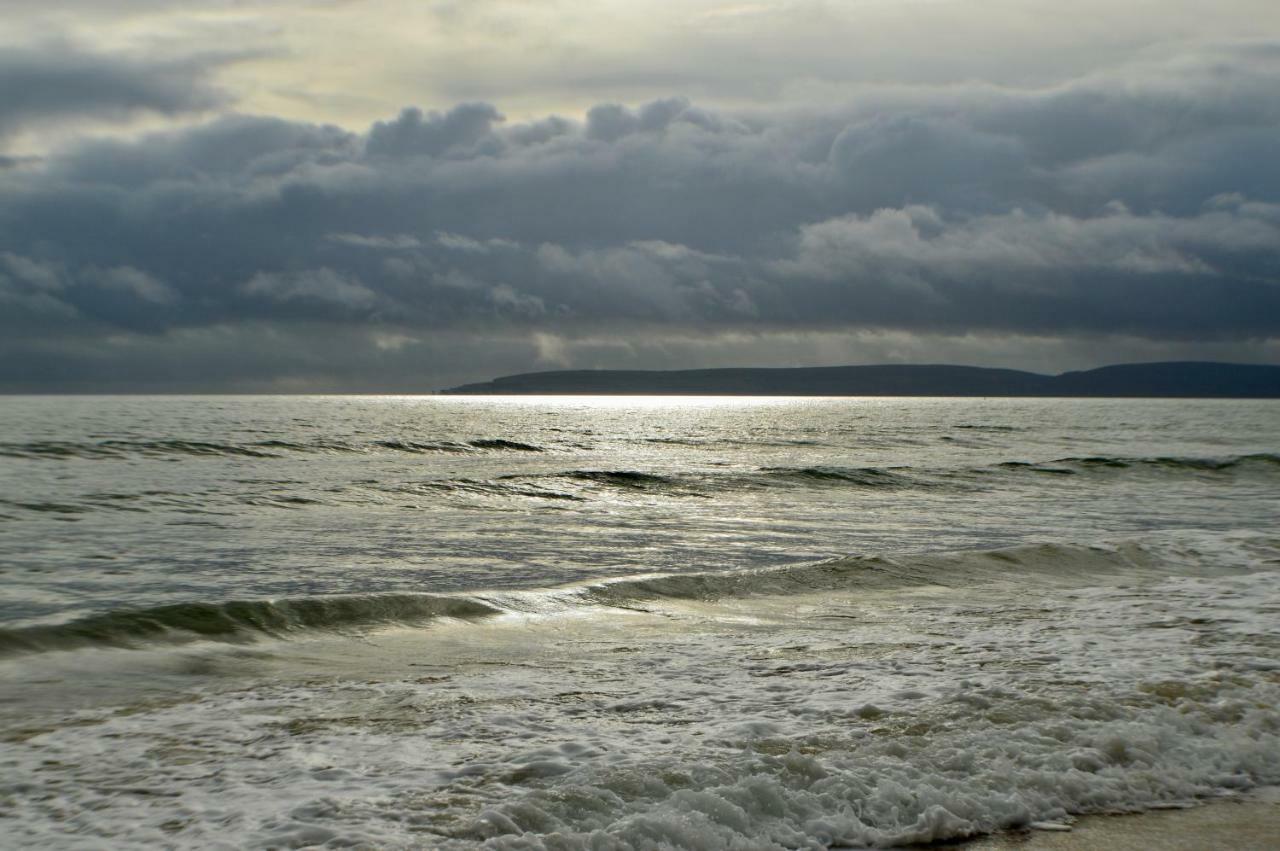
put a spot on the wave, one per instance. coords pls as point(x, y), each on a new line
point(583, 485)
point(1262, 461)
point(621, 478)
point(112, 449)
point(1065, 563)
point(729, 442)
point(708, 483)
point(56, 450)
point(1036, 564)
point(902, 476)
point(479, 487)
point(499, 443)
point(238, 621)
point(870, 477)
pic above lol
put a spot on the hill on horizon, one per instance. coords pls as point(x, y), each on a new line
point(1166, 379)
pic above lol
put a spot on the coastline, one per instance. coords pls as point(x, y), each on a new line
point(1247, 822)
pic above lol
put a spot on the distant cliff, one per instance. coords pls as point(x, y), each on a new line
point(1182, 379)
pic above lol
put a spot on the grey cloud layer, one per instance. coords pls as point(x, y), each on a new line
point(57, 81)
point(1143, 202)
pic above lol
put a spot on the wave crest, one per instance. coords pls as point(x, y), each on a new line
point(239, 620)
point(1036, 564)
point(52, 450)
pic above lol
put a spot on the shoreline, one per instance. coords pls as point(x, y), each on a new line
point(1243, 823)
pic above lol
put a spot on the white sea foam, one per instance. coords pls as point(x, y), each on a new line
point(814, 718)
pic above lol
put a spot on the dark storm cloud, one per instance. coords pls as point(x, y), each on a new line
point(58, 81)
point(1142, 203)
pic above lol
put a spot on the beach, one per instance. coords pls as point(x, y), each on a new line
point(1248, 823)
point(420, 622)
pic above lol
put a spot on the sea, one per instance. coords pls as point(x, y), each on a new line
point(628, 622)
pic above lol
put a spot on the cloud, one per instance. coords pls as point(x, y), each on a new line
point(1139, 204)
point(1117, 272)
point(458, 242)
point(413, 134)
point(395, 242)
point(58, 81)
point(318, 286)
point(555, 55)
point(136, 283)
point(31, 274)
point(30, 292)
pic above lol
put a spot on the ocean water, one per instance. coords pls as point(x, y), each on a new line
point(599, 623)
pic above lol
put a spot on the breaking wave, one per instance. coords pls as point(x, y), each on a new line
point(238, 620)
point(249, 620)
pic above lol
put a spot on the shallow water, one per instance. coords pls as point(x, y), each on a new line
point(527, 622)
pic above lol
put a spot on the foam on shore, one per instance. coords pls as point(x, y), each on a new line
point(786, 717)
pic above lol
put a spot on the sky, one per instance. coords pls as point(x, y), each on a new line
point(395, 196)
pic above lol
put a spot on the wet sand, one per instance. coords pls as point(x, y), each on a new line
point(1246, 823)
